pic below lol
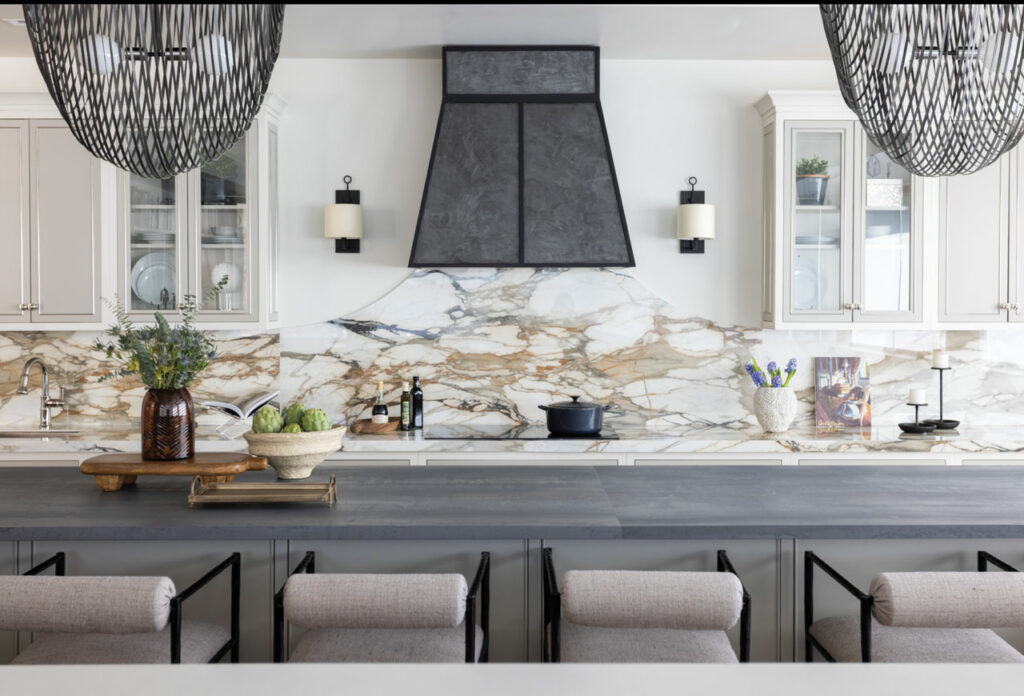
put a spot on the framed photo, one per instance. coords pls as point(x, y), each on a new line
point(842, 393)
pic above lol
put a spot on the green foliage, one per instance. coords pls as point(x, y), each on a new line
point(267, 420)
point(315, 420)
point(164, 356)
point(292, 428)
point(811, 166)
point(293, 414)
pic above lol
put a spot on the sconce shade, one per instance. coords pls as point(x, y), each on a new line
point(695, 221)
point(343, 221)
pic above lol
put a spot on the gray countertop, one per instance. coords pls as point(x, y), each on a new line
point(507, 502)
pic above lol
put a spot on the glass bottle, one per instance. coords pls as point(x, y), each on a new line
point(380, 409)
point(417, 404)
point(406, 418)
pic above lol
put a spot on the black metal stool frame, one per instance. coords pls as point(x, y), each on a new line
point(479, 589)
point(234, 562)
point(866, 602)
point(551, 610)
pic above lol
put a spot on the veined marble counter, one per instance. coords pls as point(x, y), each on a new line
point(96, 436)
point(639, 440)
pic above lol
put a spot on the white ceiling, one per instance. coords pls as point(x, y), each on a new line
point(724, 32)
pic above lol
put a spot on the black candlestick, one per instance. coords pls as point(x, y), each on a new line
point(942, 423)
point(917, 427)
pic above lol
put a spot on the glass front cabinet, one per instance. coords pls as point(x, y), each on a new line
point(179, 238)
point(842, 232)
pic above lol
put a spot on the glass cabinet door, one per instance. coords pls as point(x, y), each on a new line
point(885, 242)
point(818, 214)
point(154, 244)
point(223, 234)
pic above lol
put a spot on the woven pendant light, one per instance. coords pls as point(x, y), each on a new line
point(939, 88)
point(156, 89)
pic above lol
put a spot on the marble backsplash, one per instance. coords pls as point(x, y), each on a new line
point(491, 345)
point(246, 363)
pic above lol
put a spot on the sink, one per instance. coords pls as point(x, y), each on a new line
point(25, 432)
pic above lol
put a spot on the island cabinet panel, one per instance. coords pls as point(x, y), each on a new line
point(8, 566)
point(185, 562)
point(758, 563)
point(861, 560)
point(508, 576)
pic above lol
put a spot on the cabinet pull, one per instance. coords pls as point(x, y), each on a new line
point(28, 306)
point(1015, 307)
point(1004, 305)
point(848, 305)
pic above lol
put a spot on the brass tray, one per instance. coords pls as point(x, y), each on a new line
point(237, 492)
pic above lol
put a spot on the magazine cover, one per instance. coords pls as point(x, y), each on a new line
point(842, 393)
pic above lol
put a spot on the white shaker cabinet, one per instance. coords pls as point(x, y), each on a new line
point(49, 225)
point(974, 245)
point(842, 233)
point(178, 237)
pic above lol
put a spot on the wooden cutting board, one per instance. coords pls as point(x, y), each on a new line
point(115, 470)
point(366, 426)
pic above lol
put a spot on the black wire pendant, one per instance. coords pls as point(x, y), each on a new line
point(156, 89)
point(937, 87)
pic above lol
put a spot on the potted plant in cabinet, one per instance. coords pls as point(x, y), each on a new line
point(811, 181)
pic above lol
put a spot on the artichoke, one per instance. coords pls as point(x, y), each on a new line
point(267, 420)
point(292, 428)
point(293, 414)
point(314, 420)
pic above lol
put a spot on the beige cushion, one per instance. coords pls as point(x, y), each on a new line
point(83, 604)
point(385, 645)
point(840, 636)
point(199, 643)
point(598, 644)
point(652, 599)
point(949, 600)
point(375, 601)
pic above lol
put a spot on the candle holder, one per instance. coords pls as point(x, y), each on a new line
point(917, 427)
point(942, 423)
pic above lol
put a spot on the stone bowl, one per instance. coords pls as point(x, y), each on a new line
point(295, 455)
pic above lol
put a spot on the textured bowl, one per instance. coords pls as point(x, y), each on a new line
point(295, 455)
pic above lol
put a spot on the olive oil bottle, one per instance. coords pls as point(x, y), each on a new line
point(405, 423)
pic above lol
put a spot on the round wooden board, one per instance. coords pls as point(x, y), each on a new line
point(366, 426)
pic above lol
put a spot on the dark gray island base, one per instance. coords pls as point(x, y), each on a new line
point(507, 502)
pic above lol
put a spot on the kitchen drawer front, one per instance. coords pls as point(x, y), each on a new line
point(485, 460)
point(708, 461)
point(869, 461)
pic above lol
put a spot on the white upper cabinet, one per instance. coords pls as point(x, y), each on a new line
point(49, 227)
point(843, 232)
point(177, 238)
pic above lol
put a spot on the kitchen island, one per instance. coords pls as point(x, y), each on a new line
point(863, 519)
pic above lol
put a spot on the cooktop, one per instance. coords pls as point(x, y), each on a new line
point(505, 432)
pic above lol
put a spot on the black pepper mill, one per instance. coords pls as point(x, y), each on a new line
point(417, 404)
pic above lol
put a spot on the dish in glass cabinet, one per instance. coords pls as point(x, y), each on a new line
point(151, 275)
point(805, 287)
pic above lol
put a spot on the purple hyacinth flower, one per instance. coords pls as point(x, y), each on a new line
point(776, 381)
point(759, 380)
point(772, 368)
point(749, 367)
point(791, 366)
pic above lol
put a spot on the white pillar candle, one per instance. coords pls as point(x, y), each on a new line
point(917, 396)
point(940, 359)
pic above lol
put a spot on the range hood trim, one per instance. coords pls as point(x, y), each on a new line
point(591, 97)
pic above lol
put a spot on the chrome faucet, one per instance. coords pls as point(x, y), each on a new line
point(45, 402)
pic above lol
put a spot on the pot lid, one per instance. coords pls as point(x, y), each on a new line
point(575, 403)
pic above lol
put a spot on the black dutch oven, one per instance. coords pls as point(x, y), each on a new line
point(575, 417)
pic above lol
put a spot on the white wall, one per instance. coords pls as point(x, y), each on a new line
point(375, 120)
point(667, 120)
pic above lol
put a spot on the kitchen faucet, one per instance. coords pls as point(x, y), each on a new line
point(45, 402)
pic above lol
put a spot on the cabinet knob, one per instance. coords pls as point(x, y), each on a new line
point(848, 305)
point(1004, 305)
point(1015, 307)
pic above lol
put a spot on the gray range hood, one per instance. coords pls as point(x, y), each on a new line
point(521, 171)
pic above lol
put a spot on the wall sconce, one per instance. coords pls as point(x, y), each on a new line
point(343, 221)
point(695, 220)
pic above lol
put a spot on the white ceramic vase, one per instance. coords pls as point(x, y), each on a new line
point(775, 408)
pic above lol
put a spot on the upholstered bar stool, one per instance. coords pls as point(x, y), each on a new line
point(383, 618)
point(112, 620)
point(644, 616)
point(920, 616)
